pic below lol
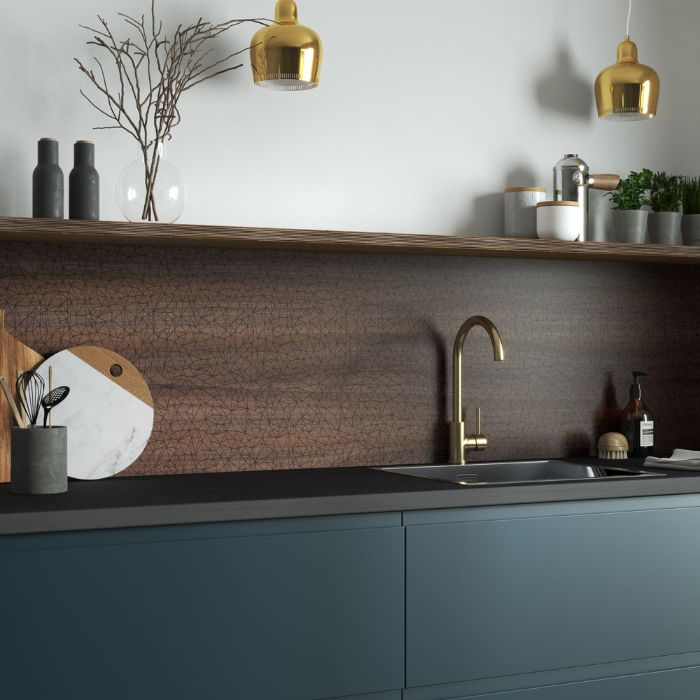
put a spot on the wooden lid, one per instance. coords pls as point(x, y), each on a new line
point(558, 203)
point(525, 189)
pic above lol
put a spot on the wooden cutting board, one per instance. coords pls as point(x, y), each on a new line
point(108, 413)
point(14, 357)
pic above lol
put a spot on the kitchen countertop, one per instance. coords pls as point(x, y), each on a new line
point(202, 498)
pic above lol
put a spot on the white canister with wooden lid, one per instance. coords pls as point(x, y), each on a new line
point(560, 220)
point(520, 210)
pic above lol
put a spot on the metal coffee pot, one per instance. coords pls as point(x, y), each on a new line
point(572, 180)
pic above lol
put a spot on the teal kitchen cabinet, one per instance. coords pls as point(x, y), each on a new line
point(299, 609)
point(510, 590)
point(562, 601)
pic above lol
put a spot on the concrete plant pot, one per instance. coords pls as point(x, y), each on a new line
point(665, 228)
point(630, 225)
point(691, 229)
point(39, 461)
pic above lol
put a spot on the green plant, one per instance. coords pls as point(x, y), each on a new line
point(691, 195)
point(666, 193)
point(631, 192)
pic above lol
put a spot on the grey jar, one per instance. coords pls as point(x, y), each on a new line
point(39, 460)
point(630, 225)
point(47, 182)
point(665, 228)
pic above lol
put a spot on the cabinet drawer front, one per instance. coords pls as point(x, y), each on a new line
point(298, 616)
point(505, 597)
point(676, 684)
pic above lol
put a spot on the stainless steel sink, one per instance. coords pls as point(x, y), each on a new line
point(533, 471)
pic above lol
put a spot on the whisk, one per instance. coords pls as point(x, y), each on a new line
point(30, 391)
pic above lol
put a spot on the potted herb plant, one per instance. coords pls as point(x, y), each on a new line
point(691, 211)
point(628, 198)
point(665, 198)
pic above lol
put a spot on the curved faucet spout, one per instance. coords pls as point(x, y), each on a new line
point(458, 440)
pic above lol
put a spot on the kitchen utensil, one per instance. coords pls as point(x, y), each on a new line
point(50, 386)
point(30, 390)
point(52, 399)
point(14, 357)
point(11, 402)
point(612, 446)
point(109, 426)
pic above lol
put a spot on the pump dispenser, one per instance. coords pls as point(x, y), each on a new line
point(636, 421)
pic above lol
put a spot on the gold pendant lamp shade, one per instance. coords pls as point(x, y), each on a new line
point(286, 55)
point(629, 90)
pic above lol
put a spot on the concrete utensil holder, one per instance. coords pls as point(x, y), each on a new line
point(39, 460)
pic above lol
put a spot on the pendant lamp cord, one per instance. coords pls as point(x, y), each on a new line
point(629, 17)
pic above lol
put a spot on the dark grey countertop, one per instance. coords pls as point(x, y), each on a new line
point(202, 498)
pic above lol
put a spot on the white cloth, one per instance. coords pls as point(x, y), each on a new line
point(680, 459)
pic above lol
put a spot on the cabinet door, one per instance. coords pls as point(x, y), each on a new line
point(676, 684)
point(296, 615)
point(523, 594)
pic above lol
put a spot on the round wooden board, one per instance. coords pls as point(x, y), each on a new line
point(15, 357)
point(108, 413)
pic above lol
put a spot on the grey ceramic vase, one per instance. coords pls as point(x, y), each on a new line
point(630, 225)
point(47, 182)
point(39, 460)
point(691, 229)
point(84, 183)
point(665, 227)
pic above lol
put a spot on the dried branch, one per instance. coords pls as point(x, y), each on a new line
point(152, 72)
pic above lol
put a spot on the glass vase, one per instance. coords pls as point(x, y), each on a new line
point(151, 188)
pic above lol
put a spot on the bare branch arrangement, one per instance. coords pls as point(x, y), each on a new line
point(152, 73)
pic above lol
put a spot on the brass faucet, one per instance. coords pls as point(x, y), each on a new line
point(459, 442)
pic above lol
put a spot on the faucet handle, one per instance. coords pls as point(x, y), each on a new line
point(476, 442)
point(477, 415)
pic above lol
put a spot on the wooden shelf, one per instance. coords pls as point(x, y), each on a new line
point(111, 232)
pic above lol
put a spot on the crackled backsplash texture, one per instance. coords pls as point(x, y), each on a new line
point(276, 360)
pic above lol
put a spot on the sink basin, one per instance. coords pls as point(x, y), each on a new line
point(533, 471)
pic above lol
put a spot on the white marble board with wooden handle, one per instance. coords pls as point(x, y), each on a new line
point(108, 413)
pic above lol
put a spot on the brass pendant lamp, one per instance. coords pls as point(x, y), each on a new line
point(286, 55)
point(628, 90)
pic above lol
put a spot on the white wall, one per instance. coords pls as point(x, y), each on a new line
point(426, 110)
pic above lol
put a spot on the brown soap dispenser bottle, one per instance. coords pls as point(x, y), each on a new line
point(637, 423)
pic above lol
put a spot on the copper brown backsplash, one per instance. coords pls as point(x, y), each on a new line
point(274, 360)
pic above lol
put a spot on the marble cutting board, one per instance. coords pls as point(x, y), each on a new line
point(109, 411)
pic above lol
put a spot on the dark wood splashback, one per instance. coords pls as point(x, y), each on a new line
point(272, 359)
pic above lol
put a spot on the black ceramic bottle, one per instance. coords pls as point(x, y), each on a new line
point(84, 183)
point(47, 182)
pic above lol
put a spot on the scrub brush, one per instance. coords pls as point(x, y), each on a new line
point(613, 446)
